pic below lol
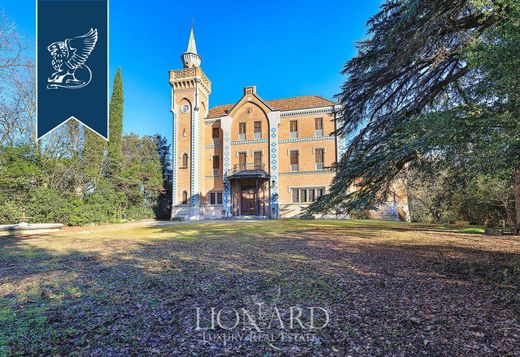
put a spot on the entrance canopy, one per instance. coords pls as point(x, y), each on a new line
point(249, 171)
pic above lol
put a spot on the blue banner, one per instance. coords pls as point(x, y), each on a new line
point(72, 64)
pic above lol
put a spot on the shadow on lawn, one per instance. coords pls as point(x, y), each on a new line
point(142, 297)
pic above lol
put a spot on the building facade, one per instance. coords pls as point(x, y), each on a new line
point(256, 157)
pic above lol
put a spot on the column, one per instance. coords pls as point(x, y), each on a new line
point(195, 162)
point(225, 124)
point(274, 122)
point(175, 160)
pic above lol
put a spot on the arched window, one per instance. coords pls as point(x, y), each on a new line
point(184, 197)
point(185, 160)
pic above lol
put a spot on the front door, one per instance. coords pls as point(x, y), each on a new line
point(247, 202)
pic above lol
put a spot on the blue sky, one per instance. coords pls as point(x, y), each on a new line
point(286, 48)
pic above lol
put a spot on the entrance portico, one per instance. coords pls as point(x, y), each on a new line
point(249, 186)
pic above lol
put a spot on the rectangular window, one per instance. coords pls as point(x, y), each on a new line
point(242, 160)
point(293, 128)
point(216, 165)
point(303, 195)
point(241, 131)
point(215, 134)
point(294, 125)
point(215, 198)
point(306, 195)
point(318, 123)
point(216, 162)
point(312, 195)
point(318, 127)
point(258, 160)
point(295, 160)
point(258, 130)
point(295, 195)
point(319, 155)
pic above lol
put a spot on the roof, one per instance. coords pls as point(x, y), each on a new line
point(250, 174)
point(192, 46)
point(304, 102)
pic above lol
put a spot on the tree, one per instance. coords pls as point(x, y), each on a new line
point(17, 88)
point(93, 158)
point(140, 177)
point(163, 150)
point(115, 144)
point(72, 176)
point(164, 200)
point(418, 90)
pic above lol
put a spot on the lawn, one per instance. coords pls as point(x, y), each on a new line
point(387, 288)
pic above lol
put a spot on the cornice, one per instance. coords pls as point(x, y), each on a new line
point(296, 112)
point(245, 142)
point(309, 111)
point(305, 139)
point(314, 172)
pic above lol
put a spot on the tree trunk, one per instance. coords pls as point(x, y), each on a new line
point(516, 188)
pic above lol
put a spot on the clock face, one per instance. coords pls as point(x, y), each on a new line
point(185, 108)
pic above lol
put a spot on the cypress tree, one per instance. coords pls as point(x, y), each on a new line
point(115, 144)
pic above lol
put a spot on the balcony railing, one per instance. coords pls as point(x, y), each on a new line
point(248, 167)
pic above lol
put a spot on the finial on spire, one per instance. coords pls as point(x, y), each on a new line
point(191, 58)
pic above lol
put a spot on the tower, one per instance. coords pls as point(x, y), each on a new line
point(190, 90)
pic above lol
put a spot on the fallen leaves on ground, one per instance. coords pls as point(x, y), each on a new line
point(390, 289)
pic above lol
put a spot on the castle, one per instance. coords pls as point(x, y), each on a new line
point(256, 157)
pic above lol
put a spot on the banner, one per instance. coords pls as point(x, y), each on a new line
point(72, 64)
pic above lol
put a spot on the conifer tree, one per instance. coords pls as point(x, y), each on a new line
point(115, 143)
point(435, 79)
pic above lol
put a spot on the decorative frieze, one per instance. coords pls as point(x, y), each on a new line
point(245, 142)
point(274, 123)
point(305, 139)
point(311, 111)
point(313, 172)
point(226, 131)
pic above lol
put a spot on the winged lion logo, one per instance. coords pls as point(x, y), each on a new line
point(68, 60)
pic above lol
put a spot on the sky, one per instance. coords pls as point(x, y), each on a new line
point(286, 48)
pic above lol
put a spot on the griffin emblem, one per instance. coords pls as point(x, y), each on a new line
point(68, 60)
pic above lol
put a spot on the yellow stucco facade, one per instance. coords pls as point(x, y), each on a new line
point(256, 157)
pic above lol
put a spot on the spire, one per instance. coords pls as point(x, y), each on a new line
point(191, 58)
point(192, 45)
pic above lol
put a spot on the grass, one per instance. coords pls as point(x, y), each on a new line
point(473, 230)
point(390, 287)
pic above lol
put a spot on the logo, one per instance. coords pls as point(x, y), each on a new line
point(260, 321)
point(68, 60)
point(72, 64)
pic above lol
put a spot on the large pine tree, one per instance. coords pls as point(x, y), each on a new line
point(434, 78)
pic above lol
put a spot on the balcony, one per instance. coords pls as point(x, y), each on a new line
point(248, 167)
